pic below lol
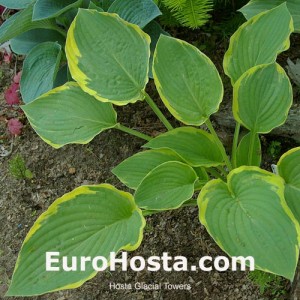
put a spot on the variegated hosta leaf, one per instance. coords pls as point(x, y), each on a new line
point(195, 146)
point(89, 221)
point(258, 41)
point(262, 98)
point(289, 170)
point(108, 57)
point(68, 115)
point(133, 170)
point(167, 186)
point(248, 216)
point(187, 81)
point(255, 7)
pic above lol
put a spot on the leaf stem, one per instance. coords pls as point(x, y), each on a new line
point(251, 147)
point(215, 173)
point(157, 111)
point(235, 144)
point(133, 132)
point(60, 30)
point(219, 144)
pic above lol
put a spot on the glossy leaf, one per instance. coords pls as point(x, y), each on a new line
point(187, 81)
point(89, 221)
point(21, 22)
point(15, 4)
point(248, 216)
point(39, 70)
point(139, 12)
point(258, 41)
point(195, 146)
point(255, 7)
point(25, 42)
point(262, 98)
point(167, 186)
point(242, 155)
point(68, 115)
point(289, 170)
point(45, 9)
point(118, 71)
point(133, 170)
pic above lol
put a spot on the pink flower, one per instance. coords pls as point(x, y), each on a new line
point(11, 94)
point(7, 57)
point(14, 126)
point(17, 77)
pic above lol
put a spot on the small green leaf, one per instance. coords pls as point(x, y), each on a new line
point(242, 155)
point(167, 186)
point(26, 41)
point(22, 22)
point(255, 7)
point(248, 216)
point(262, 98)
point(258, 41)
point(118, 71)
point(68, 115)
point(195, 146)
point(39, 70)
point(45, 9)
point(139, 12)
point(187, 81)
point(133, 170)
point(89, 221)
point(15, 4)
point(289, 170)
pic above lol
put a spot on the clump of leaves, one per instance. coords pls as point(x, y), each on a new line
point(18, 169)
point(294, 71)
point(274, 149)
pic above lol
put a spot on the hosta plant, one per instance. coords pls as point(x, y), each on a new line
point(39, 29)
point(247, 210)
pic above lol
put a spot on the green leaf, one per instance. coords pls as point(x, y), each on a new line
point(262, 98)
point(26, 41)
point(118, 71)
point(39, 70)
point(154, 30)
point(248, 216)
point(133, 170)
point(242, 155)
point(20, 23)
point(68, 115)
point(255, 7)
point(258, 41)
point(15, 4)
point(61, 76)
point(89, 221)
point(187, 81)
point(139, 12)
point(195, 146)
point(289, 170)
point(105, 4)
point(167, 186)
point(45, 9)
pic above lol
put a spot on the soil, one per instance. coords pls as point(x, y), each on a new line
point(57, 172)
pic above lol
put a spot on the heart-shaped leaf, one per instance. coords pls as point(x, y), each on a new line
point(118, 71)
point(195, 146)
point(187, 81)
point(89, 221)
point(248, 216)
point(167, 186)
point(69, 115)
point(262, 98)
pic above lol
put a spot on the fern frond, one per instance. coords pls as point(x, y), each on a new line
point(194, 13)
point(174, 5)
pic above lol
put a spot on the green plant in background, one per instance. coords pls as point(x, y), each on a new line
point(274, 149)
point(267, 282)
point(248, 211)
point(39, 31)
point(17, 168)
